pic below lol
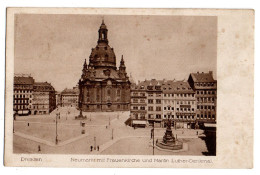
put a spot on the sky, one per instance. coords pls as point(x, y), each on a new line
point(53, 48)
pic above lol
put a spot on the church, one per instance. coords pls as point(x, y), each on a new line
point(103, 87)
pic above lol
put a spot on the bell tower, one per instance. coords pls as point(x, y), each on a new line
point(102, 33)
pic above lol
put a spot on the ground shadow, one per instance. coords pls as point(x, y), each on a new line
point(210, 141)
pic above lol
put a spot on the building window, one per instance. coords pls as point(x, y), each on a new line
point(150, 116)
point(165, 108)
point(142, 94)
point(118, 106)
point(158, 108)
point(135, 100)
point(158, 116)
point(142, 108)
point(158, 101)
point(142, 116)
point(158, 87)
point(158, 94)
point(150, 94)
point(150, 101)
point(150, 108)
point(118, 92)
point(135, 107)
point(172, 108)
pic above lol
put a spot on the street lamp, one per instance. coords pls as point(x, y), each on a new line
point(95, 143)
point(153, 137)
point(112, 134)
point(56, 140)
point(14, 118)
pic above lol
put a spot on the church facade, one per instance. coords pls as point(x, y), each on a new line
point(103, 87)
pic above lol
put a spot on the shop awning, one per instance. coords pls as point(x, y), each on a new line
point(139, 122)
point(210, 125)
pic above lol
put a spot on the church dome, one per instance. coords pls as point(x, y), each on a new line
point(102, 55)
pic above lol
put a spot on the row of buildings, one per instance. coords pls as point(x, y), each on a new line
point(35, 98)
point(187, 104)
point(32, 97)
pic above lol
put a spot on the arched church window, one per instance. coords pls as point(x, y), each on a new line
point(106, 57)
point(118, 92)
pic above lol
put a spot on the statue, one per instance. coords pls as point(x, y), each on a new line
point(168, 136)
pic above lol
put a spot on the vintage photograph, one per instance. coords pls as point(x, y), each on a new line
point(115, 85)
point(139, 88)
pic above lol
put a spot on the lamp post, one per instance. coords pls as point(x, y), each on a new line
point(112, 134)
point(14, 118)
point(94, 142)
point(153, 137)
point(109, 121)
point(56, 140)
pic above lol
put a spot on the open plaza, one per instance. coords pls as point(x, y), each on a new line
point(99, 133)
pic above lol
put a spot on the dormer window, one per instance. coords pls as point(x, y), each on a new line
point(158, 87)
point(150, 87)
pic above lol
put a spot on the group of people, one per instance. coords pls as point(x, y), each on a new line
point(91, 148)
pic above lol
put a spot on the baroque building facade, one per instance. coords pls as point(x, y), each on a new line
point(188, 104)
point(103, 87)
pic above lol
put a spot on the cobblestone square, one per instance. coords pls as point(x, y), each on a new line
point(104, 130)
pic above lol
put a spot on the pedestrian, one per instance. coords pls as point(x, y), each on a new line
point(156, 141)
point(106, 126)
point(28, 124)
point(91, 147)
point(97, 148)
point(39, 148)
point(197, 132)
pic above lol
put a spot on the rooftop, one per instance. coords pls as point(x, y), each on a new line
point(202, 77)
point(23, 80)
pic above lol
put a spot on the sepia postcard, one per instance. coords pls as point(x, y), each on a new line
point(157, 88)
